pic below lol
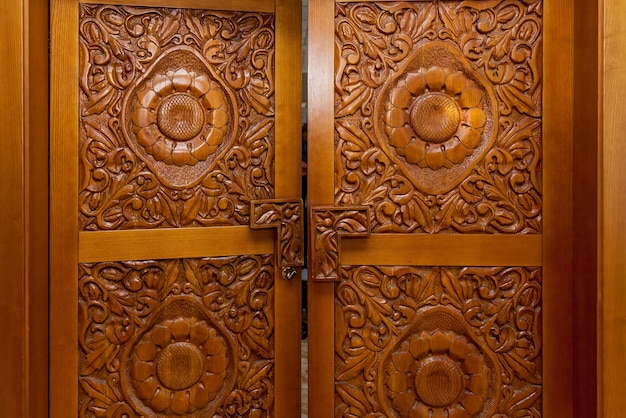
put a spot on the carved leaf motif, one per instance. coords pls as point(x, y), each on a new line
point(373, 356)
point(118, 46)
point(501, 41)
point(122, 302)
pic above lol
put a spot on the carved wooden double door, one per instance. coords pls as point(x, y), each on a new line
point(177, 220)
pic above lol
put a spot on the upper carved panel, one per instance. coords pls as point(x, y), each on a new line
point(165, 338)
point(177, 124)
point(438, 114)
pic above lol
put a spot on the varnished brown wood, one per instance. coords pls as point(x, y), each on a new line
point(612, 226)
point(585, 195)
point(408, 187)
point(179, 243)
point(63, 213)
point(167, 232)
point(36, 153)
point(443, 250)
point(248, 5)
point(558, 244)
point(23, 185)
point(321, 174)
point(288, 151)
point(13, 299)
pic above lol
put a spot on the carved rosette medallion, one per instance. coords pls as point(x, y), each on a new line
point(167, 338)
point(437, 118)
point(422, 342)
point(176, 122)
point(438, 114)
point(180, 117)
point(180, 364)
point(439, 373)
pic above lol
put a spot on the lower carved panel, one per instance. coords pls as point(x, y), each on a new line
point(431, 342)
point(191, 337)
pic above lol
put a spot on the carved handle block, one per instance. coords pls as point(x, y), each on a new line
point(329, 224)
point(286, 215)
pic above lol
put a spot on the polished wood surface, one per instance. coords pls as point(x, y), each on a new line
point(158, 244)
point(443, 250)
point(321, 174)
point(13, 240)
point(426, 177)
point(63, 389)
point(182, 307)
point(23, 186)
point(288, 155)
point(558, 210)
point(585, 195)
point(612, 227)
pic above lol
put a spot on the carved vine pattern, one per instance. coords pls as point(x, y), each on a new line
point(378, 309)
point(120, 44)
point(287, 217)
point(119, 302)
point(329, 224)
point(502, 42)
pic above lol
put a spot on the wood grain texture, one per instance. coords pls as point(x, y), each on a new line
point(63, 209)
point(36, 180)
point(13, 301)
point(175, 243)
point(443, 250)
point(247, 5)
point(612, 363)
point(585, 195)
point(321, 190)
point(557, 212)
point(287, 173)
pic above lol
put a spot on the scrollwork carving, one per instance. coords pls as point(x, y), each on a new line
point(423, 341)
point(329, 224)
point(177, 124)
point(287, 217)
point(420, 89)
point(177, 337)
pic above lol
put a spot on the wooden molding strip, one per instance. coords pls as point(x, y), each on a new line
point(443, 250)
point(170, 243)
point(247, 5)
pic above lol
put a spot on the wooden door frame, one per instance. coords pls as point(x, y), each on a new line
point(596, 254)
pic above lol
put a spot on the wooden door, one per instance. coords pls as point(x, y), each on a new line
point(175, 210)
point(440, 158)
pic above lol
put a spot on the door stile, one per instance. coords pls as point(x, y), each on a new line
point(288, 154)
point(63, 208)
point(558, 136)
point(321, 176)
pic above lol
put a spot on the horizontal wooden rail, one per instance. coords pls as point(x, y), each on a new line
point(443, 250)
point(173, 243)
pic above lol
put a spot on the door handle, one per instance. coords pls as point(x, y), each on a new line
point(286, 216)
point(328, 225)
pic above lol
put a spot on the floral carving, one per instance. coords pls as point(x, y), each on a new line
point(434, 119)
point(440, 372)
point(287, 217)
point(180, 117)
point(475, 167)
point(177, 337)
point(177, 125)
point(433, 341)
point(329, 224)
point(179, 366)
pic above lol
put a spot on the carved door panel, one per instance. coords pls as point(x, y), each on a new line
point(175, 214)
point(433, 229)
